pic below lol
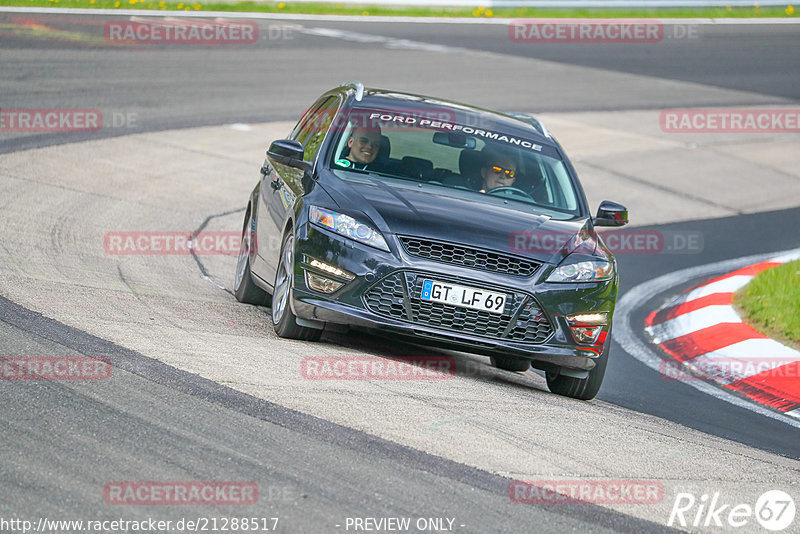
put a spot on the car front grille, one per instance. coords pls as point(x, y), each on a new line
point(465, 256)
point(398, 296)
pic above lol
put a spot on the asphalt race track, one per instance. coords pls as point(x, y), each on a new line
point(203, 390)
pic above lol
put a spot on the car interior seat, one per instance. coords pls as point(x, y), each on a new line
point(470, 162)
point(417, 168)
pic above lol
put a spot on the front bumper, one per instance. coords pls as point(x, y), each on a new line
point(546, 336)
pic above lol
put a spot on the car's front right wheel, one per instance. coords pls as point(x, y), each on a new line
point(283, 319)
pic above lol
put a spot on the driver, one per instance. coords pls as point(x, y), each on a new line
point(364, 144)
point(499, 170)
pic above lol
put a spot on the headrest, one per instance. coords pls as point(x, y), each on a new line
point(470, 162)
point(415, 167)
point(386, 147)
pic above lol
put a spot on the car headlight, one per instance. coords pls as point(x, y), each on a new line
point(347, 226)
point(583, 271)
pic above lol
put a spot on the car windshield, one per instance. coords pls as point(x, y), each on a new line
point(484, 163)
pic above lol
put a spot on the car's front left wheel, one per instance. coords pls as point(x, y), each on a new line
point(283, 319)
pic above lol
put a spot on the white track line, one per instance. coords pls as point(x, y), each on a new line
point(570, 4)
point(729, 284)
point(692, 321)
point(388, 42)
point(786, 258)
point(624, 334)
point(353, 18)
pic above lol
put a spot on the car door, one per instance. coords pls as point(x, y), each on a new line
point(282, 185)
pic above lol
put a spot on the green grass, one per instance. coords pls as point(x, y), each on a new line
point(771, 302)
point(366, 9)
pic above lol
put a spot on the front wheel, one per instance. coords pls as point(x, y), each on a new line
point(283, 319)
point(580, 388)
point(244, 288)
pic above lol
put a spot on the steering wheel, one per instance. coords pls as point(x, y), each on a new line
point(513, 190)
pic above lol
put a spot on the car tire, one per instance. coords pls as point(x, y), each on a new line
point(580, 388)
point(283, 319)
point(244, 289)
point(517, 365)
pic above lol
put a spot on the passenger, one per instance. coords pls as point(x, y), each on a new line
point(499, 170)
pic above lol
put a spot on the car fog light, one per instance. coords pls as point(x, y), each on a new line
point(586, 334)
point(320, 283)
point(586, 327)
point(331, 269)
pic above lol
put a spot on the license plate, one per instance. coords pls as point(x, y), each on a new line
point(462, 296)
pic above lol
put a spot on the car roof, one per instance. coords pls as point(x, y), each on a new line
point(383, 99)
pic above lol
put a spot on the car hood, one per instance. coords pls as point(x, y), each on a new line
point(459, 217)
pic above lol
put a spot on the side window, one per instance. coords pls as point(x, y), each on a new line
point(312, 131)
point(301, 124)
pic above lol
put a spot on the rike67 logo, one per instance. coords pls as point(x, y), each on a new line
point(774, 510)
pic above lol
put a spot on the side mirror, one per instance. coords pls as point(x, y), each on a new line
point(288, 152)
point(611, 214)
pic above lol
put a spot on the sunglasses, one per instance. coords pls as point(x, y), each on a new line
point(497, 170)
